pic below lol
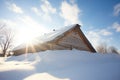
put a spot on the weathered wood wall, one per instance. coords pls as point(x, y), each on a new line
point(71, 40)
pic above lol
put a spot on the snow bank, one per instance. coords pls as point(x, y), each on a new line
point(43, 76)
point(63, 65)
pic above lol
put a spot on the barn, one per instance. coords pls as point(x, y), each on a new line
point(67, 38)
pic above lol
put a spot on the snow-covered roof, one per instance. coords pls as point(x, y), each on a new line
point(54, 34)
point(48, 36)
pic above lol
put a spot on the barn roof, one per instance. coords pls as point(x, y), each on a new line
point(46, 37)
point(56, 35)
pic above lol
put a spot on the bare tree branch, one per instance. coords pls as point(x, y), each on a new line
point(7, 39)
point(102, 48)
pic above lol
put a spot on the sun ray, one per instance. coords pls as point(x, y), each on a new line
point(32, 47)
point(26, 51)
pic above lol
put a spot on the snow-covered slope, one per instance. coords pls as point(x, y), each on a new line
point(61, 65)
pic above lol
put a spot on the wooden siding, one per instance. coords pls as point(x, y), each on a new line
point(73, 40)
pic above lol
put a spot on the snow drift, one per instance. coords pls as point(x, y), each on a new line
point(61, 65)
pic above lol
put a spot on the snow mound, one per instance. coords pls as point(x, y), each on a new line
point(63, 65)
point(43, 76)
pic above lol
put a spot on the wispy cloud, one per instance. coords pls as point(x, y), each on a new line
point(45, 10)
point(105, 32)
point(13, 7)
point(36, 11)
point(117, 9)
point(31, 23)
point(24, 21)
point(116, 26)
point(99, 36)
point(47, 7)
point(70, 12)
point(8, 22)
point(94, 37)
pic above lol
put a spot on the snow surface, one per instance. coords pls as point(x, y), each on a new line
point(47, 36)
point(61, 65)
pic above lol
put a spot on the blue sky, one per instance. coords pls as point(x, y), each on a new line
point(100, 19)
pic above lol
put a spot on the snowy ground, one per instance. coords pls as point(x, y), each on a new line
point(61, 65)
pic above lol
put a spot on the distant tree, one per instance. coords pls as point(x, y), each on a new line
point(102, 48)
point(6, 39)
point(2, 25)
point(112, 49)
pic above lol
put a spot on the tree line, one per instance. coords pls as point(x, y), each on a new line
point(104, 48)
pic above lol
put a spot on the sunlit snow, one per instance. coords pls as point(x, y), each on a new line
point(61, 65)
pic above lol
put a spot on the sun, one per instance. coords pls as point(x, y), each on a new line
point(26, 36)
